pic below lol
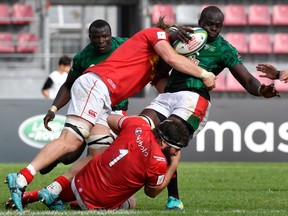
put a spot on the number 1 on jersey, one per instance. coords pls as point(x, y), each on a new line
point(123, 152)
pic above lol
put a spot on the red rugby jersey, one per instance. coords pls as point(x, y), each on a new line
point(130, 67)
point(133, 160)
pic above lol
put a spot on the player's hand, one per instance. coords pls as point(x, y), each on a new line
point(269, 91)
point(180, 33)
point(209, 81)
point(284, 76)
point(174, 159)
point(49, 117)
point(269, 71)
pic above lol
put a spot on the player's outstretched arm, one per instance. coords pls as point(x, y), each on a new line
point(251, 84)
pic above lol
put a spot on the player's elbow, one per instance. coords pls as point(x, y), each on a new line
point(151, 192)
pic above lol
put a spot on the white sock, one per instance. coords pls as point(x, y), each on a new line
point(54, 188)
point(21, 180)
point(31, 169)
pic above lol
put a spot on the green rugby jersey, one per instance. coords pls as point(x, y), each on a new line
point(88, 56)
point(214, 57)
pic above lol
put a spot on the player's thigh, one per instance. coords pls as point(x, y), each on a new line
point(90, 98)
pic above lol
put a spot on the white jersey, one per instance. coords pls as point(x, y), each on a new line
point(58, 80)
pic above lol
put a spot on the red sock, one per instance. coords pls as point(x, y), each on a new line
point(30, 197)
point(64, 182)
point(27, 174)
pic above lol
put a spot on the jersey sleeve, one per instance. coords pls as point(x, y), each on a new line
point(155, 35)
point(75, 66)
point(127, 121)
point(231, 56)
point(156, 174)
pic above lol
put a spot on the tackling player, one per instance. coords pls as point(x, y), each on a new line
point(138, 157)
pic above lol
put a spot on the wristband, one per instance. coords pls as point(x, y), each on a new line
point(53, 109)
point(278, 75)
point(204, 74)
point(259, 91)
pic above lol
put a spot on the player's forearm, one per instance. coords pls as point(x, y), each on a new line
point(153, 192)
point(186, 66)
point(62, 98)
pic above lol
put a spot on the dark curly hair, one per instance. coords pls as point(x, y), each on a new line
point(173, 131)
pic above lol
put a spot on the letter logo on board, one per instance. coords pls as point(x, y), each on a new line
point(33, 133)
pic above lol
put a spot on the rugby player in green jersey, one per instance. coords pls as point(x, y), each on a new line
point(186, 97)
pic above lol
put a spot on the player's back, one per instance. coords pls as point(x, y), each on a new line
point(131, 67)
point(123, 168)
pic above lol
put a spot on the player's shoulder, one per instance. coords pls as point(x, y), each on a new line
point(133, 121)
point(224, 44)
point(85, 53)
point(152, 30)
point(118, 40)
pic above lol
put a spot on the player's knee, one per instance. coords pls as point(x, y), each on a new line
point(73, 156)
point(129, 204)
point(79, 129)
point(99, 141)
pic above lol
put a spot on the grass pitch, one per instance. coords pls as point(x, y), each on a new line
point(205, 189)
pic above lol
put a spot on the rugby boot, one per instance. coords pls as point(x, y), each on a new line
point(52, 201)
point(174, 204)
point(16, 191)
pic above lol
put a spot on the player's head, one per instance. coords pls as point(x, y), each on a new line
point(100, 36)
point(211, 19)
point(173, 135)
point(161, 24)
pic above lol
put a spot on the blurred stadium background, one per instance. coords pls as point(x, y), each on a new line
point(34, 34)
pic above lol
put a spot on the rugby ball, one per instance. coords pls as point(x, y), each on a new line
point(197, 42)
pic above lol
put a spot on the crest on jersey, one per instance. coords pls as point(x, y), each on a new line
point(138, 131)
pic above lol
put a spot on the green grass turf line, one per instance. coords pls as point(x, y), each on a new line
point(205, 189)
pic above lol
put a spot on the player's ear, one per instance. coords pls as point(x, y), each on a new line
point(163, 144)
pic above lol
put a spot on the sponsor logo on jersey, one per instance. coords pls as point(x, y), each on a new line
point(139, 141)
point(209, 47)
point(138, 131)
point(33, 133)
point(161, 35)
point(160, 179)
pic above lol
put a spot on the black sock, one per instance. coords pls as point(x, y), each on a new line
point(173, 187)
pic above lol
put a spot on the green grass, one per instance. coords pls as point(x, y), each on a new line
point(205, 188)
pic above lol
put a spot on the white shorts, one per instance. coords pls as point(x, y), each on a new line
point(188, 105)
point(90, 99)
